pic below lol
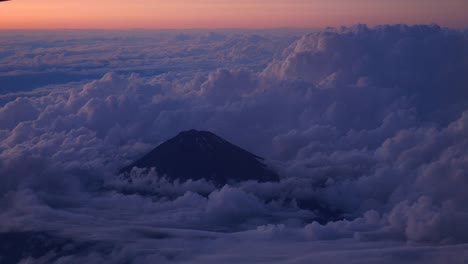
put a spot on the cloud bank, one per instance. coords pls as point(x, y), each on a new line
point(368, 128)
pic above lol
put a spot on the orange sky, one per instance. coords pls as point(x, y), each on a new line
point(29, 14)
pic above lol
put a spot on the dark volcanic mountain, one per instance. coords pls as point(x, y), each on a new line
point(203, 155)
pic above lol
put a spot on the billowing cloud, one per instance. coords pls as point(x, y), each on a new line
point(368, 128)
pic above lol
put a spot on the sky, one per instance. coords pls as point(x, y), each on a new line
point(117, 14)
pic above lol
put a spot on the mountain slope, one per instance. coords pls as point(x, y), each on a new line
point(203, 155)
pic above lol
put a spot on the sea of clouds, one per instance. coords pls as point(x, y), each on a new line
point(368, 128)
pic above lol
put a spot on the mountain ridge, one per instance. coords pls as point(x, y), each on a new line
point(195, 155)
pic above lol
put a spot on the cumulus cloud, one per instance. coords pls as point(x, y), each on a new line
point(366, 126)
point(44, 58)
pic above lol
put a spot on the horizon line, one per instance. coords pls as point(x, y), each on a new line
point(228, 28)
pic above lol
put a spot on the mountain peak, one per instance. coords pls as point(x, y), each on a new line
point(195, 154)
point(198, 135)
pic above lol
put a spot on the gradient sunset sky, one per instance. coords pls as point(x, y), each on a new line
point(30, 14)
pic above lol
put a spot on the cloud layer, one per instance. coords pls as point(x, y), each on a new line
point(367, 126)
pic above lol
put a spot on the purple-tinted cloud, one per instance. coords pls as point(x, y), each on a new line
point(368, 128)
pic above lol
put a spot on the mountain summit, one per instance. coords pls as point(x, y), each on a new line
point(203, 155)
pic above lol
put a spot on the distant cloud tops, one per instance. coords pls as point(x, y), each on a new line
point(370, 124)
